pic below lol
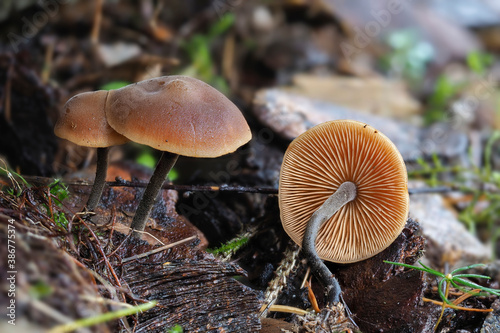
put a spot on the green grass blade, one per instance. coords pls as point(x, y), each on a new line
point(91, 321)
point(423, 269)
point(477, 286)
point(477, 276)
point(466, 268)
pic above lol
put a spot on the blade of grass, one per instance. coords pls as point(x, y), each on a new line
point(91, 321)
point(466, 268)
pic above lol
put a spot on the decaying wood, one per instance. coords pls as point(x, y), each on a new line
point(200, 295)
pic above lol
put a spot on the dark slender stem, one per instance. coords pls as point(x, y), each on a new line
point(100, 179)
point(344, 194)
point(163, 167)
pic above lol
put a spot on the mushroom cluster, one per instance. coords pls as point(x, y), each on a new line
point(83, 121)
point(343, 195)
point(178, 115)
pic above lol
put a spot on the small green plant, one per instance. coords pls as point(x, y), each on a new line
point(459, 281)
point(114, 85)
point(40, 289)
point(147, 159)
point(198, 49)
point(479, 62)
point(58, 192)
point(105, 317)
point(408, 57)
point(432, 170)
point(471, 180)
point(444, 91)
point(231, 247)
point(175, 329)
point(14, 177)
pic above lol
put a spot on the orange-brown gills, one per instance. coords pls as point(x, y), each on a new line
point(317, 162)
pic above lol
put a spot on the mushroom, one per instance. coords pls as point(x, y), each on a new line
point(343, 195)
point(83, 121)
point(178, 115)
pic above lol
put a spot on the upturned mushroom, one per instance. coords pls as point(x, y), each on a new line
point(83, 121)
point(343, 195)
point(178, 115)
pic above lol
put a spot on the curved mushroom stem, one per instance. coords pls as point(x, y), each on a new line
point(163, 167)
point(100, 179)
point(344, 194)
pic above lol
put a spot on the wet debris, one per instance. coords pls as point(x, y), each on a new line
point(50, 286)
point(200, 295)
point(118, 205)
point(194, 289)
point(328, 320)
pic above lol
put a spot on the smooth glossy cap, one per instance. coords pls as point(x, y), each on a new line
point(314, 166)
point(178, 114)
point(83, 121)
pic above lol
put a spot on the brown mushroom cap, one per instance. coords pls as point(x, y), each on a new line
point(83, 121)
point(178, 114)
point(314, 166)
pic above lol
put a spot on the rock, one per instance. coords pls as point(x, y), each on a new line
point(492, 322)
point(289, 115)
point(447, 238)
point(379, 96)
point(118, 53)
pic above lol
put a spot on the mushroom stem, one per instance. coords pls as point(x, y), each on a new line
point(163, 167)
point(344, 194)
point(100, 179)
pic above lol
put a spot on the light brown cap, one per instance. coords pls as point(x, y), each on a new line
point(314, 166)
point(83, 121)
point(178, 114)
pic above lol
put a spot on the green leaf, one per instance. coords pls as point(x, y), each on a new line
point(147, 159)
point(114, 85)
point(476, 276)
point(59, 190)
point(105, 317)
point(467, 268)
point(173, 175)
point(231, 246)
point(479, 61)
point(175, 329)
point(476, 286)
point(40, 289)
point(221, 26)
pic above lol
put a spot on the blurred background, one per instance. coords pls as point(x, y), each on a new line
point(425, 73)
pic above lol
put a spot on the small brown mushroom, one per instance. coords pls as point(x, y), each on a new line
point(83, 121)
point(178, 115)
point(343, 194)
